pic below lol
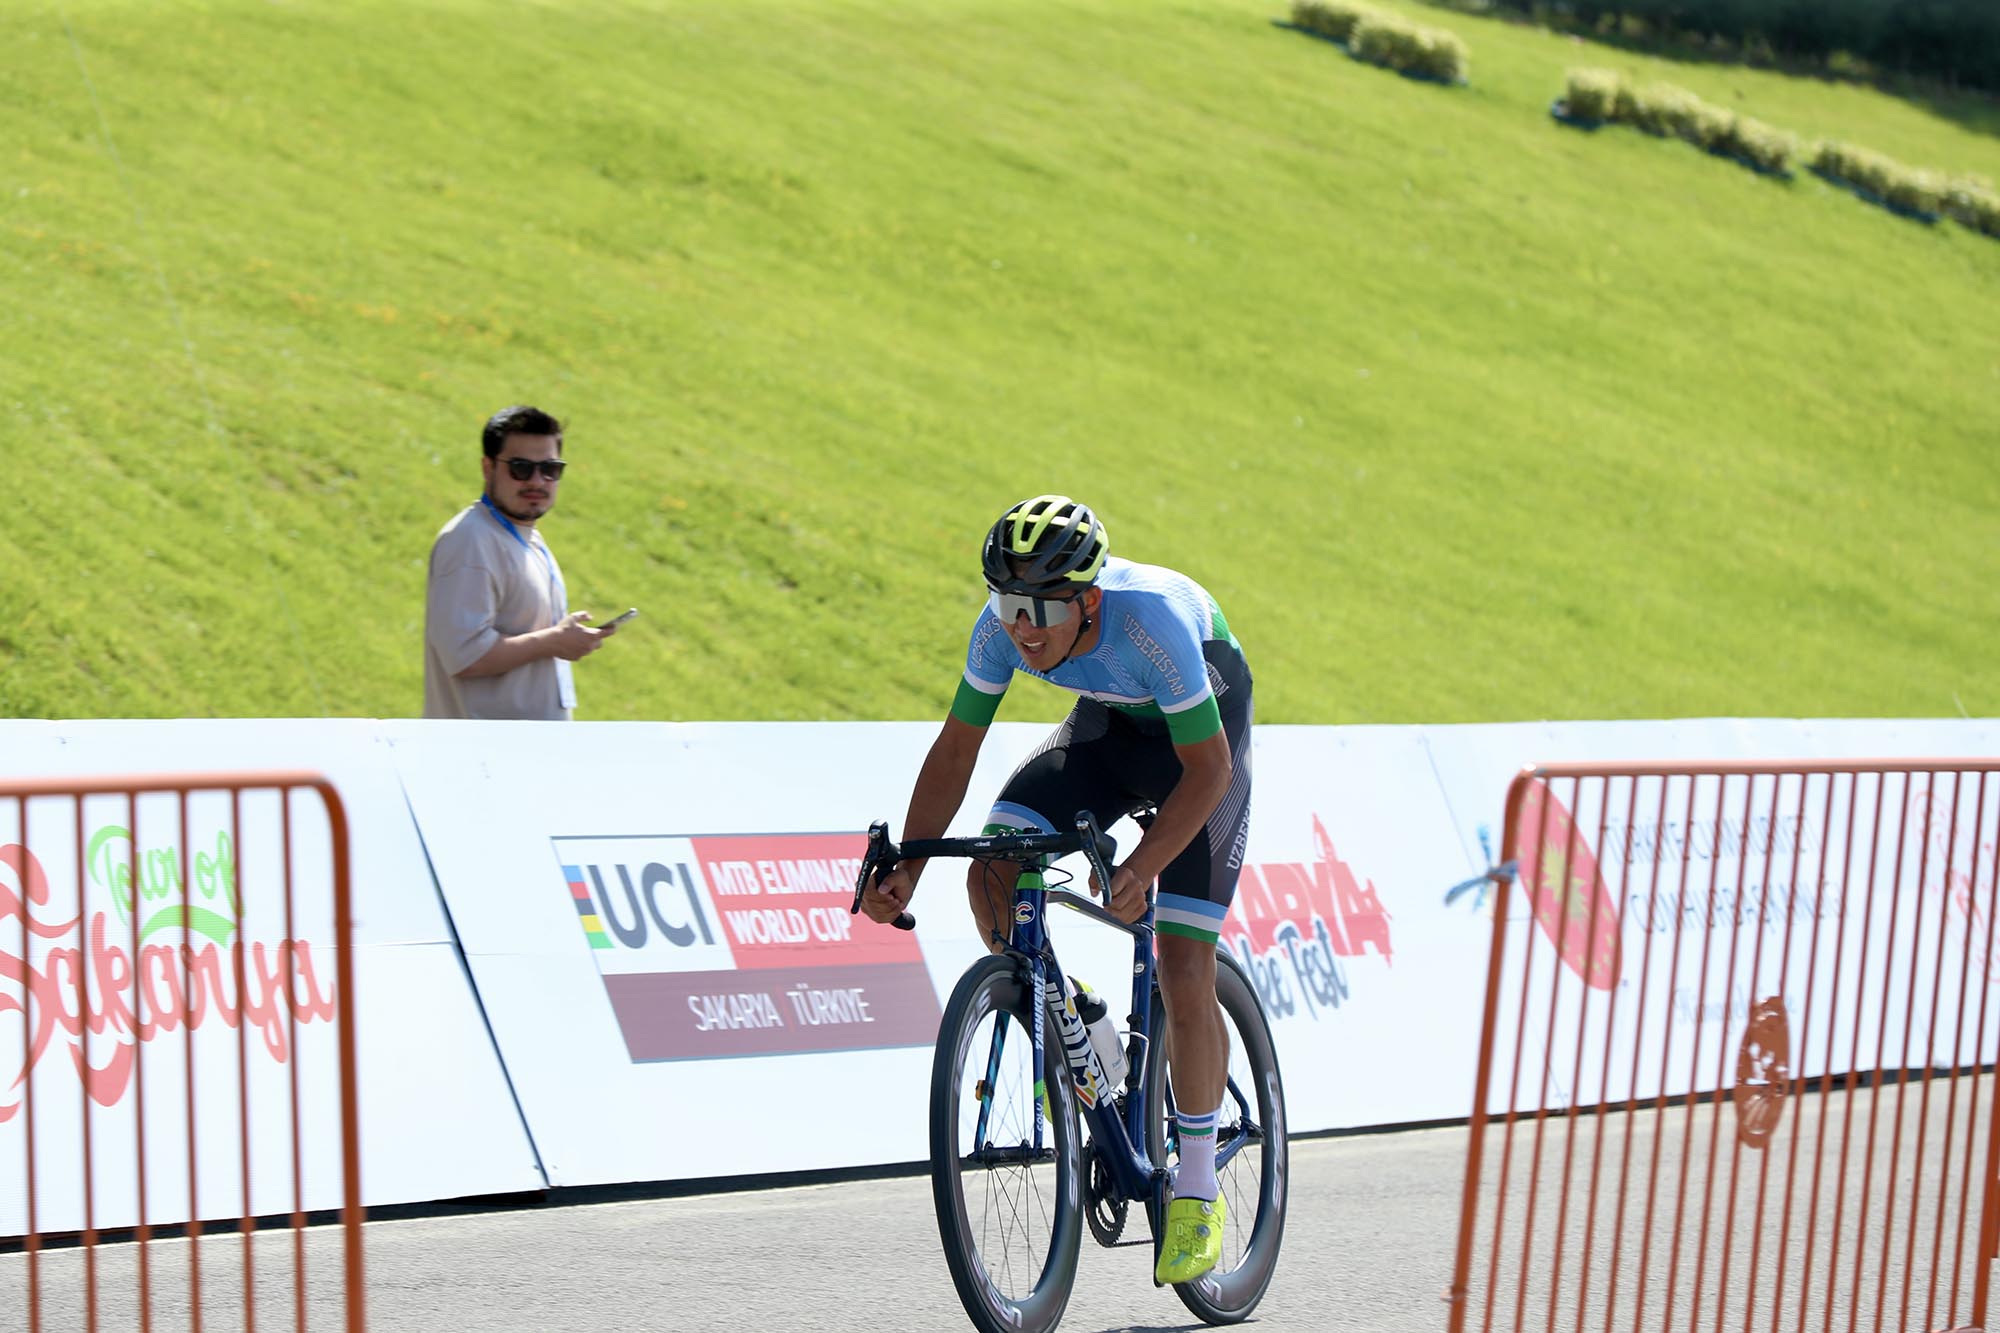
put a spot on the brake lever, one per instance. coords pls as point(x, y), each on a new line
point(878, 859)
point(1099, 849)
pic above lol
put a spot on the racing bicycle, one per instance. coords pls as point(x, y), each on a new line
point(1016, 1081)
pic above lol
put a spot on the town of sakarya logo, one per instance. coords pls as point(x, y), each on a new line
point(741, 944)
point(167, 958)
point(1566, 889)
point(1291, 924)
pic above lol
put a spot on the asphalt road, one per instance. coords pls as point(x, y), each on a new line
point(1866, 1241)
point(1367, 1246)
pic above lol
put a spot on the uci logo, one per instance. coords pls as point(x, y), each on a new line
point(657, 903)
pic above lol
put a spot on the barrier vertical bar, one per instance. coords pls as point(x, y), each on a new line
point(1638, 1044)
point(1694, 1064)
point(1666, 1057)
point(1722, 1047)
point(143, 1234)
point(1971, 908)
point(1483, 1076)
point(1514, 1083)
point(34, 1240)
point(1548, 1048)
point(290, 965)
point(1826, 1088)
point(1854, 1053)
point(1881, 1055)
point(1909, 1029)
point(1784, 976)
point(246, 1226)
point(1989, 1212)
point(1583, 1021)
point(185, 1018)
point(1805, 1036)
point(1930, 1051)
point(1604, 1068)
point(350, 1094)
point(1721, 1042)
point(83, 1011)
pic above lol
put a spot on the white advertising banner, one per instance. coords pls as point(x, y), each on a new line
point(1371, 984)
point(134, 949)
point(653, 918)
point(657, 920)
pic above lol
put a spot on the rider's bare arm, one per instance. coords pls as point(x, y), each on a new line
point(940, 790)
point(941, 784)
point(1205, 776)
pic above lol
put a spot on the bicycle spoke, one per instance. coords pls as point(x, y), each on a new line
point(1005, 1225)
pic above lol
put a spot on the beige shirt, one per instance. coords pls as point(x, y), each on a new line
point(486, 584)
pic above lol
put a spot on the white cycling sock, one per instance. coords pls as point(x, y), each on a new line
point(1195, 1179)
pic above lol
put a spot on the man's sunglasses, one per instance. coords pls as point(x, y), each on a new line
point(520, 469)
point(1041, 611)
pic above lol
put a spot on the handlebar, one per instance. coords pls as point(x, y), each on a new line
point(883, 855)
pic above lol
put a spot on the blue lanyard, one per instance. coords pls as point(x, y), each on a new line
point(555, 579)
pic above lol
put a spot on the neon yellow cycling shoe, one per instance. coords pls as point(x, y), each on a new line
point(1194, 1240)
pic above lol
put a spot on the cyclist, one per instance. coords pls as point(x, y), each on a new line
point(1164, 719)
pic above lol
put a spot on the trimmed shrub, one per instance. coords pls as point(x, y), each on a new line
point(1395, 43)
point(1592, 94)
point(1971, 200)
point(1627, 111)
point(1903, 188)
point(1765, 146)
point(1664, 110)
point(1328, 18)
point(1670, 112)
point(1706, 125)
point(1385, 39)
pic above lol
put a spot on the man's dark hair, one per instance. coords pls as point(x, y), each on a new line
point(517, 421)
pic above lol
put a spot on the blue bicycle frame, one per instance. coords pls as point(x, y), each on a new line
point(1116, 1115)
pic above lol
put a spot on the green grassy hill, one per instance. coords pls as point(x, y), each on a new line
point(1462, 414)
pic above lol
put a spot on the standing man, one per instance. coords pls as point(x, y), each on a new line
point(1164, 719)
point(499, 636)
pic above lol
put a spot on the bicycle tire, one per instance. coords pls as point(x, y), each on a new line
point(1007, 1279)
point(1250, 1245)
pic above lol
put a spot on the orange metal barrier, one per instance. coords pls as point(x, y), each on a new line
point(147, 1029)
point(1737, 1053)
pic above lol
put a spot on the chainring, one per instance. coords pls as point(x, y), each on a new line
point(1105, 1214)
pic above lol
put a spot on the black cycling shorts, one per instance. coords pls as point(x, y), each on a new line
point(1110, 763)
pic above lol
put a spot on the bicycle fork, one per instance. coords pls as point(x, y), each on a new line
point(1054, 1007)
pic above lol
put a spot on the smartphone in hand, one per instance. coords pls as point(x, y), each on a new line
point(619, 620)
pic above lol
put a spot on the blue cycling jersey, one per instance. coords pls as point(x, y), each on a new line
point(1164, 652)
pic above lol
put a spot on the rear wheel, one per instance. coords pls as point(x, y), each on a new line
point(1008, 1198)
point(1253, 1179)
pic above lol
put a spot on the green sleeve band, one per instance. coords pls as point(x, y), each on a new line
point(1196, 724)
point(1218, 625)
point(976, 708)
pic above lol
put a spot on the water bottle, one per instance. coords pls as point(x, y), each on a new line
point(1103, 1033)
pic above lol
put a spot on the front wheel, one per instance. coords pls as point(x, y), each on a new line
point(1253, 1179)
point(1007, 1190)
